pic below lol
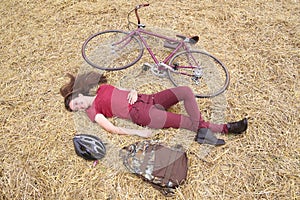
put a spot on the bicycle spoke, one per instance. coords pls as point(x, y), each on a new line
point(112, 50)
point(202, 72)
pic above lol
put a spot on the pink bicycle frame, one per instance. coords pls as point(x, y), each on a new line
point(139, 31)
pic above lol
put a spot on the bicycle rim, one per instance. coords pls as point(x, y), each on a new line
point(112, 50)
point(204, 73)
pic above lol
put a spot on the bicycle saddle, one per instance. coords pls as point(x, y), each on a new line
point(173, 45)
point(192, 40)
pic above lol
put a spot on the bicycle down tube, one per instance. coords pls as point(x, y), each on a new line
point(139, 32)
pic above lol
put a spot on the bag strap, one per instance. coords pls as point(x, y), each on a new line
point(168, 192)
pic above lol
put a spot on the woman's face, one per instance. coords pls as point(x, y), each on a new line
point(79, 103)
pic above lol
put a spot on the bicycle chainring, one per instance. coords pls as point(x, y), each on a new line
point(156, 71)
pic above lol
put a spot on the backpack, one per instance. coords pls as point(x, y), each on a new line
point(163, 167)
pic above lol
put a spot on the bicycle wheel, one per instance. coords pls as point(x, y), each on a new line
point(204, 73)
point(112, 50)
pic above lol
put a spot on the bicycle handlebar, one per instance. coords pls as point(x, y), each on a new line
point(142, 5)
point(136, 14)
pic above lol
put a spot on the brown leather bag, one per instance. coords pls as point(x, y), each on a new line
point(165, 168)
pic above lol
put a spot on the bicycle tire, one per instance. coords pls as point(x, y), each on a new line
point(102, 51)
point(213, 81)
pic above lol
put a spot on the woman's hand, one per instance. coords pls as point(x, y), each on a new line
point(144, 133)
point(132, 97)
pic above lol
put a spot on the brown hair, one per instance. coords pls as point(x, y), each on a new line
point(80, 85)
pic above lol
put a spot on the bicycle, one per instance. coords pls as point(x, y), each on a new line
point(112, 50)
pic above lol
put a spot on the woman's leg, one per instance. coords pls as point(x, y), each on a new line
point(167, 98)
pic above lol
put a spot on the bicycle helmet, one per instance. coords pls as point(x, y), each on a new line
point(89, 147)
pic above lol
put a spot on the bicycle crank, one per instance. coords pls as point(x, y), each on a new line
point(155, 69)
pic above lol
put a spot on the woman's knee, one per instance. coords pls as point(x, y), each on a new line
point(188, 89)
point(183, 92)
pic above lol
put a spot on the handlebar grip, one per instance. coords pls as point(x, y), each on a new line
point(142, 5)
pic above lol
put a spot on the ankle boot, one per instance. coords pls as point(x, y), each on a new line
point(205, 136)
point(238, 127)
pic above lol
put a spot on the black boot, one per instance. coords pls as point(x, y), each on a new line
point(238, 127)
point(205, 136)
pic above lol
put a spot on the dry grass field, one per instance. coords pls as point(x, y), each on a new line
point(259, 41)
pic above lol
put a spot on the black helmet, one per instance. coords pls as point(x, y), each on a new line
point(89, 147)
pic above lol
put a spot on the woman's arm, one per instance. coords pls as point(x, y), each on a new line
point(108, 126)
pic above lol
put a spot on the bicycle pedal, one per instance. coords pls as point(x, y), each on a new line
point(146, 66)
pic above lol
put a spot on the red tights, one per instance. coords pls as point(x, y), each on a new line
point(151, 111)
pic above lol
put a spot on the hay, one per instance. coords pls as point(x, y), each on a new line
point(257, 40)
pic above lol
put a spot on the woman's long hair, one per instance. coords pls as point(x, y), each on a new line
point(80, 85)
